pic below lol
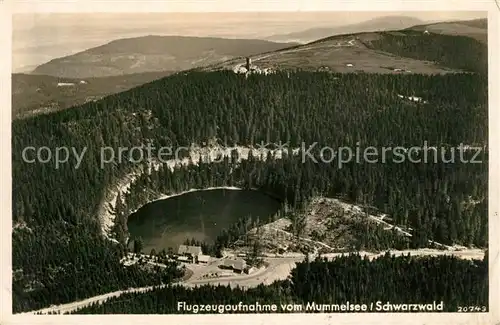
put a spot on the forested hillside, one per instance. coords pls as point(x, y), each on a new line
point(345, 279)
point(459, 52)
point(36, 94)
point(54, 207)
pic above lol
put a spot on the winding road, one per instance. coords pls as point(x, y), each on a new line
point(278, 268)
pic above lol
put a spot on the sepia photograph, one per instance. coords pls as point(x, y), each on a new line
point(300, 162)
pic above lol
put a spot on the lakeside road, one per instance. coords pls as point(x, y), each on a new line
point(278, 268)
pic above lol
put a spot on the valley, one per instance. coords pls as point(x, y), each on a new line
point(40, 94)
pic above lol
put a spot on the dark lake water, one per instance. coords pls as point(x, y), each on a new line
point(201, 215)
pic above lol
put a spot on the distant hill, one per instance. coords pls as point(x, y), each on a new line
point(479, 23)
point(409, 50)
point(405, 51)
point(152, 54)
point(38, 94)
point(376, 24)
point(477, 28)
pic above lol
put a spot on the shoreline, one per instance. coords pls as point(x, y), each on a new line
point(205, 154)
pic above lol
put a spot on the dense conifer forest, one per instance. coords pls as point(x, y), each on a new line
point(351, 279)
point(56, 210)
point(459, 52)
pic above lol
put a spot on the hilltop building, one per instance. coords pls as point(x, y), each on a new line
point(247, 68)
point(65, 84)
point(248, 63)
point(240, 69)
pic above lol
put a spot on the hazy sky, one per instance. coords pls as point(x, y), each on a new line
point(38, 38)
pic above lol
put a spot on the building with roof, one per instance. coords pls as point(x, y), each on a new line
point(237, 265)
point(248, 68)
point(191, 252)
point(203, 259)
point(250, 270)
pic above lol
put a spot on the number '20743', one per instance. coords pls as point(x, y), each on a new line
point(471, 309)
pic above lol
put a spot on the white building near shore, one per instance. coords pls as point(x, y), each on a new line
point(65, 84)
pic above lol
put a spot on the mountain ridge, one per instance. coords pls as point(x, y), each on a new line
point(372, 25)
point(152, 53)
point(412, 50)
point(475, 28)
point(399, 51)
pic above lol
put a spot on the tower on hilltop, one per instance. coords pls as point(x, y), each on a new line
point(248, 64)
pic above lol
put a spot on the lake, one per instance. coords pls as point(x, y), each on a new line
point(200, 214)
